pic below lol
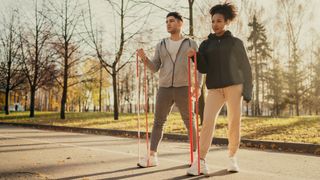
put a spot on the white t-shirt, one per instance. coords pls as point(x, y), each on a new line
point(173, 47)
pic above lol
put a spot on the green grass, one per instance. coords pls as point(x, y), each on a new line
point(293, 129)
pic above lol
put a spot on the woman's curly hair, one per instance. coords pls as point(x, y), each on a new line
point(228, 10)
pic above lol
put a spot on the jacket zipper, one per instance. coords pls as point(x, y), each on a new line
point(174, 62)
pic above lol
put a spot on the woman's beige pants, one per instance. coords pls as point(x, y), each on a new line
point(215, 99)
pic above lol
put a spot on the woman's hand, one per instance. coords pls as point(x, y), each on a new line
point(191, 52)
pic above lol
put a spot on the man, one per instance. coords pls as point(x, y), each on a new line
point(170, 59)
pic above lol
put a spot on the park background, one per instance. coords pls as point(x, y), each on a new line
point(72, 63)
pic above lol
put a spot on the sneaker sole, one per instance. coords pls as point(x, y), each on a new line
point(140, 166)
point(233, 171)
point(189, 174)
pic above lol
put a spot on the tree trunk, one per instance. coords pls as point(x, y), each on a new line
point(25, 103)
point(247, 111)
point(297, 107)
point(63, 103)
point(64, 94)
point(32, 101)
point(262, 89)
point(7, 103)
point(277, 109)
point(115, 95)
point(191, 17)
point(310, 110)
point(257, 107)
point(253, 105)
point(100, 88)
point(79, 101)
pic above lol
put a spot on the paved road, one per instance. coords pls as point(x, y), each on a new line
point(38, 154)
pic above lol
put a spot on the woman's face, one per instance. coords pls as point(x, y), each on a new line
point(218, 24)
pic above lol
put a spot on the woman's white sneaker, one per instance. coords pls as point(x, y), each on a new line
point(153, 161)
point(193, 170)
point(233, 167)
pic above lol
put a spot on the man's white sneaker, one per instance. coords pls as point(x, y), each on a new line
point(233, 167)
point(193, 170)
point(153, 161)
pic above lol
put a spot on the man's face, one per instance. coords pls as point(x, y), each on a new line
point(218, 23)
point(173, 25)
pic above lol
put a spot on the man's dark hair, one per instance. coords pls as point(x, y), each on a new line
point(175, 15)
point(228, 10)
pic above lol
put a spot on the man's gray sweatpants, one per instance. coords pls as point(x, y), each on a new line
point(166, 97)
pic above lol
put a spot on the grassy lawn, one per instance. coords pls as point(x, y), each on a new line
point(294, 129)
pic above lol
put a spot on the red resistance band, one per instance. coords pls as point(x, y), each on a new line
point(196, 89)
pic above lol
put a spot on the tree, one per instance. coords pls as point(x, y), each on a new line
point(37, 55)
point(12, 76)
point(125, 88)
point(295, 74)
point(261, 51)
point(316, 82)
point(190, 2)
point(67, 44)
point(275, 82)
point(123, 11)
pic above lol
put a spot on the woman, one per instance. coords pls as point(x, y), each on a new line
point(223, 58)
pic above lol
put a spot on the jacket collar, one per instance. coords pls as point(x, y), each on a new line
point(225, 35)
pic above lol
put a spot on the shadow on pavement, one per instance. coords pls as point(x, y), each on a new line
point(124, 170)
point(223, 172)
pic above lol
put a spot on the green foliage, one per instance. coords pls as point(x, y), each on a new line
point(275, 85)
point(260, 52)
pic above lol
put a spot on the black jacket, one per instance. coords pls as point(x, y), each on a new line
point(224, 60)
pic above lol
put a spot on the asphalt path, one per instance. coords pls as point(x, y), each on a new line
point(39, 154)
